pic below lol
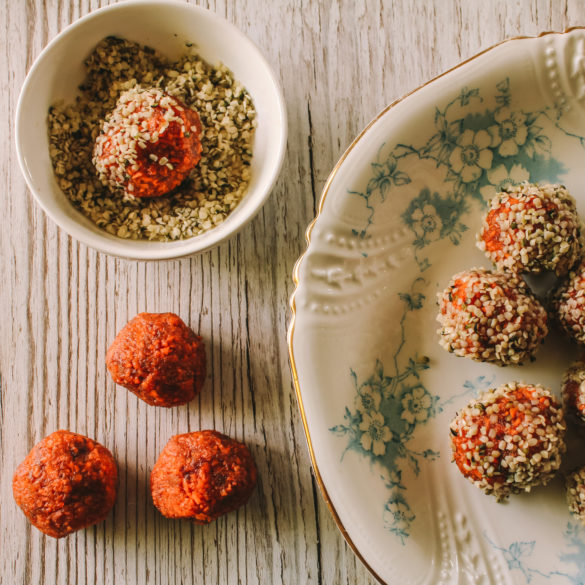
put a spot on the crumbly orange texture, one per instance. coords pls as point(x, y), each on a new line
point(158, 358)
point(202, 475)
point(490, 316)
point(532, 228)
point(67, 482)
point(510, 439)
point(148, 144)
point(568, 303)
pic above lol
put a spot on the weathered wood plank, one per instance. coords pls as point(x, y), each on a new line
point(340, 63)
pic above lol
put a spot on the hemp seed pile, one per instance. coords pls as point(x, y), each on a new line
point(213, 188)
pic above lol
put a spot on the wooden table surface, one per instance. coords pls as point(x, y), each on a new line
point(339, 64)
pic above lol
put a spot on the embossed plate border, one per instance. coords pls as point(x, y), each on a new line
point(302, 258)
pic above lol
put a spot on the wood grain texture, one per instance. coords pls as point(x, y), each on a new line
point(339, 64)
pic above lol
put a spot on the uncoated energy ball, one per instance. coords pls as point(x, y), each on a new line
point(159, 358)
point(67, 482)
point(202, 475)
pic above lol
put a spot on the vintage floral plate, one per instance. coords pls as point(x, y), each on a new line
point(398, 217)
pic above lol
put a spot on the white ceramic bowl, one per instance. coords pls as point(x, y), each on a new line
point(165, 25)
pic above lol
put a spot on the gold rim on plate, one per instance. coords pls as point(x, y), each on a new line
point(296, 269)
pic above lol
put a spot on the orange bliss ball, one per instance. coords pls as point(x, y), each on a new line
point(532, 228)
point(148, 144)
point(158, 358)
point(510, 439)
point(202, 475)
point(67, 482)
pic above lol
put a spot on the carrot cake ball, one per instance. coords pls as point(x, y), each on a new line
point(202, 475)
point(573, 390)
point(490, 317)
point(148, 144)
point(510, 439)
point(568, 304)
point(532, 228)
point(159, 358)
point(67, 482)
point(575, 492)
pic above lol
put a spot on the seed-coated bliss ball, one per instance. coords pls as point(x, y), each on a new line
point(159, 358)
point(510, 439)
point(490, 317)
point(575, 493)
point(202, 475)
point(568, 303)
point(573, 390)
point(148, 144)
point(532, 228)
point(67, 482)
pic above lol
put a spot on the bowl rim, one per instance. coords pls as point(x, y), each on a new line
point(154, 250)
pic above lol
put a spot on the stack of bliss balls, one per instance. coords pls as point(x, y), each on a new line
point(511, 438)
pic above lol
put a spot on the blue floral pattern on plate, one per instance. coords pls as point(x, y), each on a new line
point(387, 409)
point(481, 152)
point(518, 556)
